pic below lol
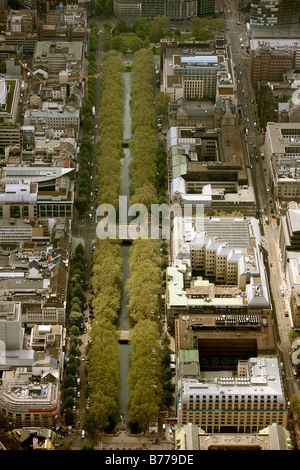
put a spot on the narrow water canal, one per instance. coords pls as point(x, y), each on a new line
point(124, 314)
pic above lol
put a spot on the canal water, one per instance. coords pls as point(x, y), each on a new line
point(124, 323)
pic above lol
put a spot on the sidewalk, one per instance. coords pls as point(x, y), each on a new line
point(120, 441)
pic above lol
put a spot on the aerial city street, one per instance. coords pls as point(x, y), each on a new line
point(150, 226)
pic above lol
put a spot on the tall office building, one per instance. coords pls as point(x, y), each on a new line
point(206, 7)
point(244, 402)
point(172, 9)
point(275, 14)
point(152, 8)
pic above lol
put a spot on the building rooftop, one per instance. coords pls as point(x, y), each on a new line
point(47, 49)
point(199, 60)
point(263, 379)
point(191, 437)
point(34, 174)
point(254, 331)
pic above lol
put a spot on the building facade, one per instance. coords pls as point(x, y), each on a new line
point(270, 64)
point(282, 151)
point(275, 14)
point(11, 334)
point(172, 9)
point(26, 400)
point(27, 192)
point(55, 57)
point(248, 402)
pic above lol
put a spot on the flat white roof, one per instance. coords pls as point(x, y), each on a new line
point(200, 59)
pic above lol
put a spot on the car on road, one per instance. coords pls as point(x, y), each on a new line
point(271, 265)
point(286, 313)
point(83, 358)
point(78, 394)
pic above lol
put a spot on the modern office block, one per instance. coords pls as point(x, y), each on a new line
point(275, 14)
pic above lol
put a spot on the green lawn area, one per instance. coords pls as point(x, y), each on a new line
point(128, 38)
point(10, 96)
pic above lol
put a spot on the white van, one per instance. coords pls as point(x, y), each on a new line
point(83, 434)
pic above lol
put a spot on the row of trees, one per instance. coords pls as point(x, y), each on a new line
point(75, 318)
point(104, 7)
point(106, 37)
point(103, 354)
point(84, 159)
point(77, 295)
point(143, 285)
point(145, 375)
point(143, 144)
point(109, 148)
